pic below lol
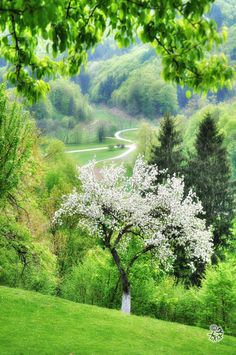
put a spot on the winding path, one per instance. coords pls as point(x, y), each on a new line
point(131, 146)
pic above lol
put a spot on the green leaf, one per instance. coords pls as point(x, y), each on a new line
point(188, 94)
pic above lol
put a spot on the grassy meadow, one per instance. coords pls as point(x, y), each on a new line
point(32, 323)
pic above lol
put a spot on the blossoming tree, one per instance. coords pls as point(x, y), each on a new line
point(122, 210)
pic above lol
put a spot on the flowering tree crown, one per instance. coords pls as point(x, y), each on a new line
point(117, 208)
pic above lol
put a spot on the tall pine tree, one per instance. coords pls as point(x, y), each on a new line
point(167, 153)
point(209, 175)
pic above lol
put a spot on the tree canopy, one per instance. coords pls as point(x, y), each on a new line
point(41, 38)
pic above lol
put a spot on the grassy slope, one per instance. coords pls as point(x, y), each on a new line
point(32, 323)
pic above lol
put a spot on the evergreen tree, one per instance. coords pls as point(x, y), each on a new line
point(209, 174)
point(167, 153)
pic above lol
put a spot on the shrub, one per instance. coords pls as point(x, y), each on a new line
point(92, 281)
point(218, 297)
point(173, 302)
point(24, 263)
point(111, 147)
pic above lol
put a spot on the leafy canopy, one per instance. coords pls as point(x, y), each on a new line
point(67, 29)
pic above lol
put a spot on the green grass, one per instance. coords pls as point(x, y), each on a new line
point(82, 158)
point(85, 157)
point(32, 323)
point(132, 135)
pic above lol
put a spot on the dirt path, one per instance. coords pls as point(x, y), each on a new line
point(118, 135)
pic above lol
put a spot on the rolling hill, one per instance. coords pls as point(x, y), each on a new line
point(33, 323)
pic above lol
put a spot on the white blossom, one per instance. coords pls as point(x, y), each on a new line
point(161, 216)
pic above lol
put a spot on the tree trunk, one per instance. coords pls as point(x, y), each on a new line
point(126, 298)
point(126, 302)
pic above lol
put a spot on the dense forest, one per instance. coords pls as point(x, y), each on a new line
point(85, 231)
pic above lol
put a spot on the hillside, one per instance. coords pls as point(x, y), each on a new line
point(32, 323)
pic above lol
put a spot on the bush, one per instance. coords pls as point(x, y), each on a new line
point(173, 302)
point(111, 147)
point(71, 246)
point(41, 273)
point(92, 281)
point(24, 263)
point(218, 297)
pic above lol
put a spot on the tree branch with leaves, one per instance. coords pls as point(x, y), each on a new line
point(65, 30)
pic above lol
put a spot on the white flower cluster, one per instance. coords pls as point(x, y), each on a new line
point(112, 203)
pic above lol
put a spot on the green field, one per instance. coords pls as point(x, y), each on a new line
point(105, 114)
point(83, 158)
point(107, 142)
point(32, 323)
point(131, 135)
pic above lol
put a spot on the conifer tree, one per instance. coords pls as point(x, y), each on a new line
point(167, 153)
point(209, 175)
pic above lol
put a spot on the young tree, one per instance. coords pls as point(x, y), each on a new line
point(209, 174)
point(132, 217)
point(167, 154)
point(178, 30)
point(146, 138)
point(16, 139)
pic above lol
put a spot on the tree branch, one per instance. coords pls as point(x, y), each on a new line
point(121, 233)
point(68, 9)
point(13, 11)
point(143, 5)
point(17, 47)
point(135, 257)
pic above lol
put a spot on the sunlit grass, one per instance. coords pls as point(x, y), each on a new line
point(83, 158)
point(32, 323)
